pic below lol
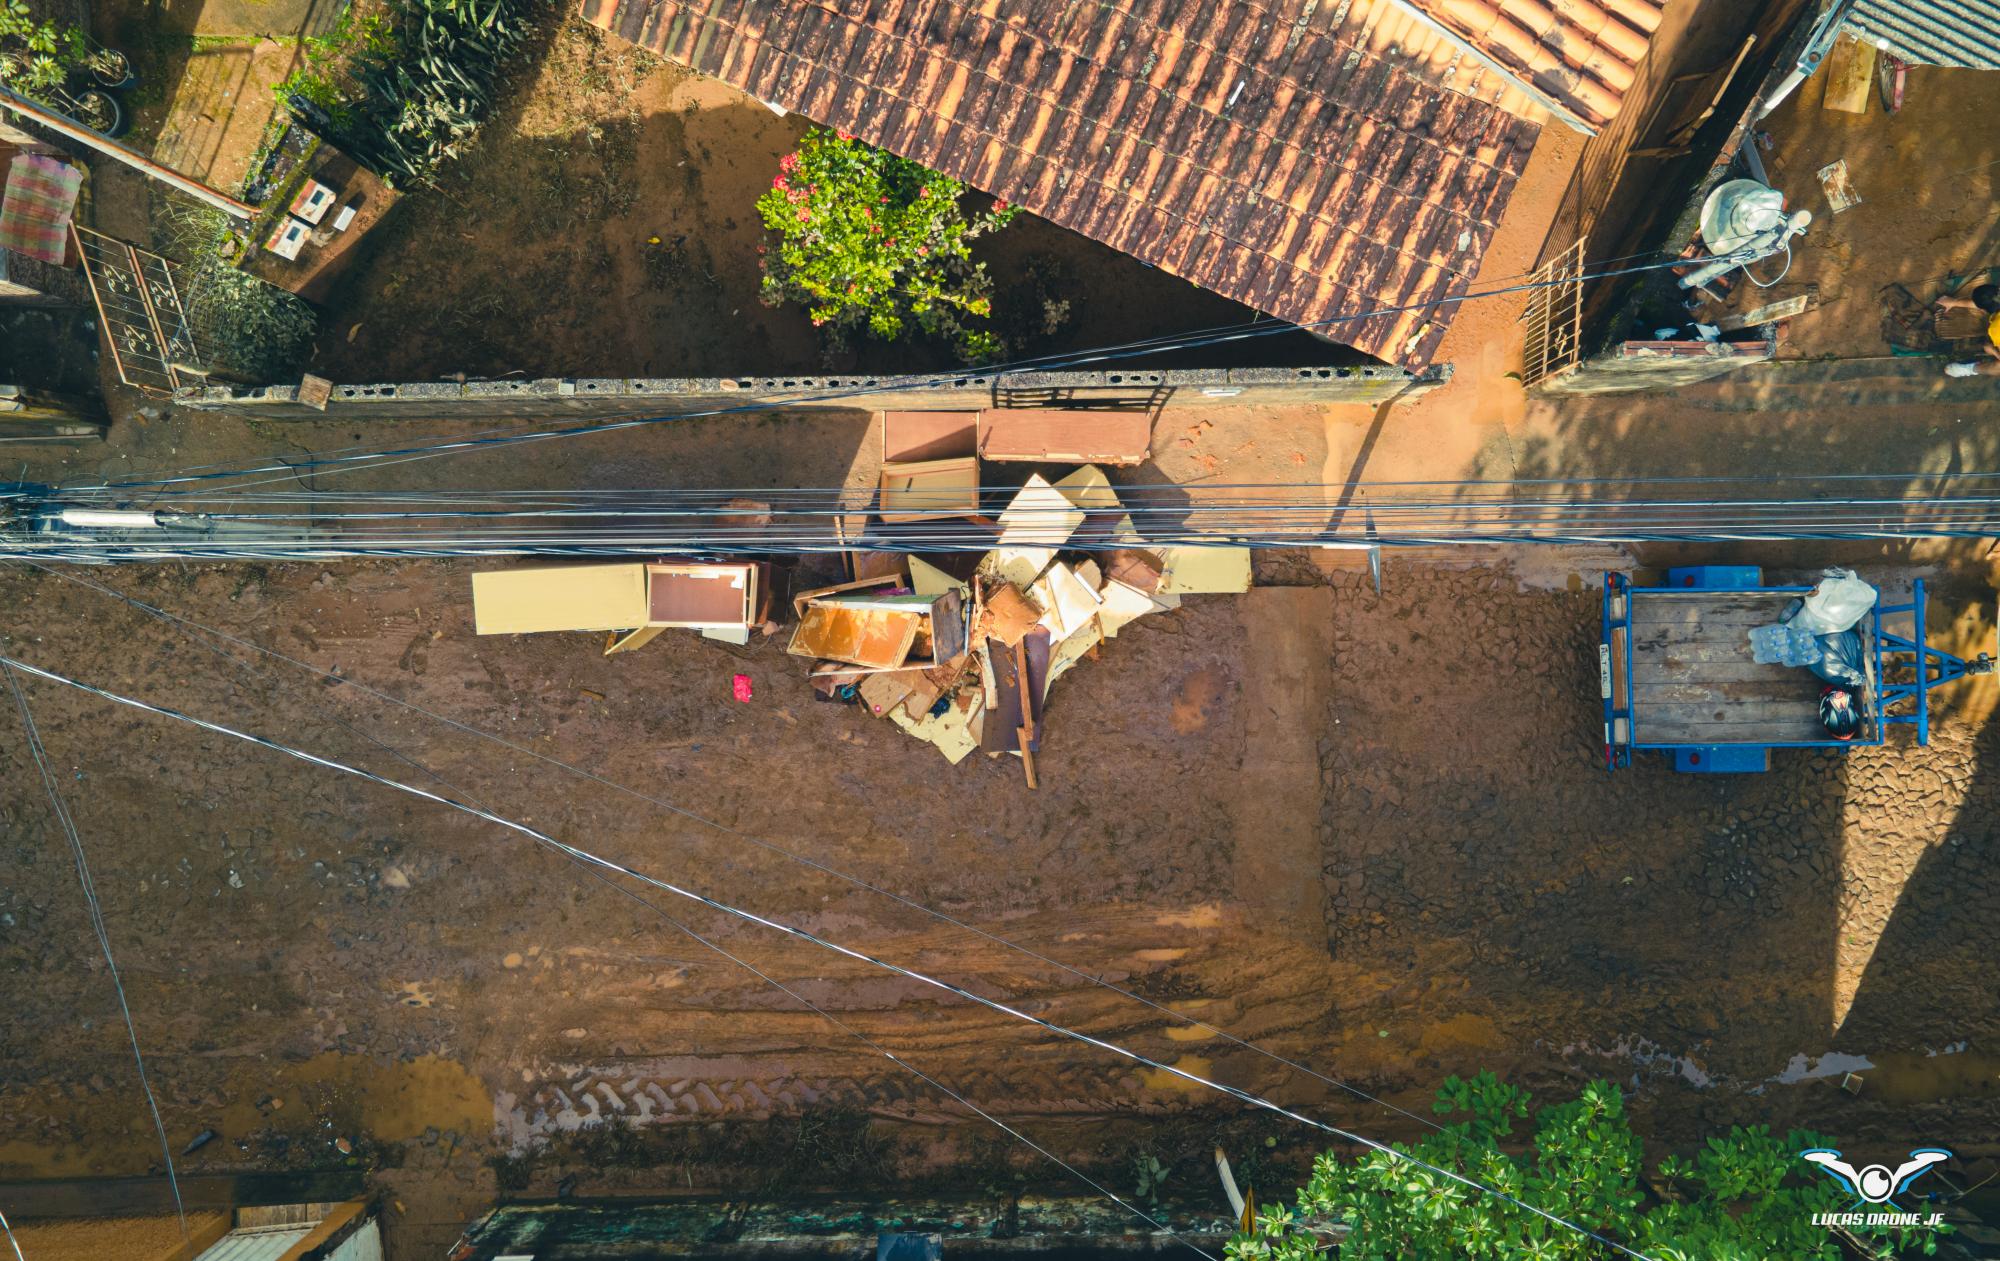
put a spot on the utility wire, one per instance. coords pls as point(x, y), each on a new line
point(68, 825)
point(800, 934)
point(759, 842)
point(385, 457)
point(11, 1241)
point(197, 633)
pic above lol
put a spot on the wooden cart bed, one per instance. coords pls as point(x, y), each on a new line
point(1694, 681)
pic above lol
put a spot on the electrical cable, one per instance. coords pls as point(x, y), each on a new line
point(195, 632)
point(392, 456)
point(60, 810)
point(726, 830)
point(801, 934)
point(11, 1241)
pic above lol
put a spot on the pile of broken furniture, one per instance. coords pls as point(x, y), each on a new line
point(961, 649)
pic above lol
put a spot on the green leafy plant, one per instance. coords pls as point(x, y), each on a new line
point(870, 242)
point(245, 327)
point(37, 58)
point(1746, 1197)
point(415, 85)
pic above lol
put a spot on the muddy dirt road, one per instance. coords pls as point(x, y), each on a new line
point(1369, 832)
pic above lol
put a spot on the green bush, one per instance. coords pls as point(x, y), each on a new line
point(870, 242)
point(417, 87)
point(246, 327)
point(1747, 1197)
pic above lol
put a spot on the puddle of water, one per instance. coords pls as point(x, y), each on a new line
point(1157, 1079)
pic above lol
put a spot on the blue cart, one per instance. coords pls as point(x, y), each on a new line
point(1676, 672)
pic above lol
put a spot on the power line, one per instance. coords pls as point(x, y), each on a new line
point(723, 828)
point(68, 825)
point(11, 1241)
point(800, 934)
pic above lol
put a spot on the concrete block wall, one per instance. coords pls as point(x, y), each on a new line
point(612, 398)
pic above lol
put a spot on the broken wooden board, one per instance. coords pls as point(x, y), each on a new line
point(883, 692)
point(698, 594)
point(1122, 606)
point(1004, 719)
point(1072, 650)
point(1039, 516)
point(1137, 569)
point(1194, 570)
point(1770, 312)
point(1010, 615)
point(1850, 75)
point(920, 436)
point(928, 579)
point(880, 637)
point(559, 598)
point(1048, 435)
point(956, 732)
point(924, 491)
point(1017, 565)
point(1068, 604)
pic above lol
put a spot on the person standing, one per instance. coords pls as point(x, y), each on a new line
point(1986, 300)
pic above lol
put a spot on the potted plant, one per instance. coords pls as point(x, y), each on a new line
point(110, 67)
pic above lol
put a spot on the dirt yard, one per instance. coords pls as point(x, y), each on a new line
point(1370, 832)
point(1927, 217)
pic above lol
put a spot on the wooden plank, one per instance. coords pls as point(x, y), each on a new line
point(1036, 435)
point(1742, 619)
point(1800, 685)
point(1850, 75)
point(915, 437)
point(1711, 706)
point(1674, 605)
point(1770, 312)
point(1646, 731)
point(1664, 645)
point(1666, 671)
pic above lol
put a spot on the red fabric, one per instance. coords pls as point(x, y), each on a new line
point(41, 195)
point(740, 685)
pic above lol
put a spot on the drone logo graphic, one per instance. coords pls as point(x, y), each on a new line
point(1876, 1184)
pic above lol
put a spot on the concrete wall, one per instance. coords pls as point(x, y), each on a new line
point(1636, 367)
point(605, 399)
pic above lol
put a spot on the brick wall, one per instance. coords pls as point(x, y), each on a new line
point(607, 399)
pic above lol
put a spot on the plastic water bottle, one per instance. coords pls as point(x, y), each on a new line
point(1783, 645)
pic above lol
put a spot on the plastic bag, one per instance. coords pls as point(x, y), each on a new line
point(1840, 659)
point(1835, 605)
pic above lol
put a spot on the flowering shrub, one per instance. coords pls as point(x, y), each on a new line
point(867, 240)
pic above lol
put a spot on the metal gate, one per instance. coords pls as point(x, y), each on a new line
point(1554, 317)
point(138, 298)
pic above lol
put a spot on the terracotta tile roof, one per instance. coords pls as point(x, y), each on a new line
point(1584, 53)
point(1252, 146)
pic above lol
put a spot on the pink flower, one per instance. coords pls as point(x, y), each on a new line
point(818, 320)
point(924, 193)
point(780, 183)
point(844, 135)
point(923, 250)
point(1000, 206)
point(789, 163)
point(805, 216)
